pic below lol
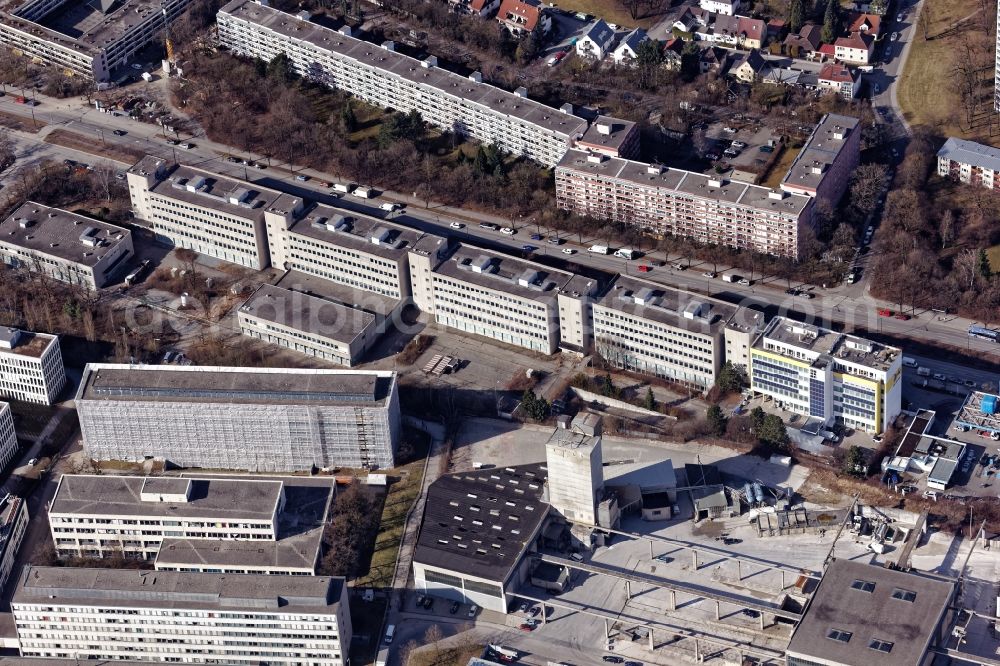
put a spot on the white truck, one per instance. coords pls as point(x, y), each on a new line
point(363, 192)
point(599, 249)
point(344, 188)
point(924, 372)
point(732, 277)
point(626, 253)
point(503, 652)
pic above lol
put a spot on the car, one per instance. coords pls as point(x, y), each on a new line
point(534, 611)
point(729, 130)
point(730, 152)
point(323, 183)
point(489, 225)
point(745, 282)
point(711, 156)
point(120, 175)
point(527, 626)
point(643, 268)
point(456, 225)
point(473, 609)
point(554, 240)
point(888, 54)
point(709, 274)
point(302, 178)
point(808, 295)
point(233, 160)
point(907, 489)
point(33, 462)
point(749, 612)
point(940, 377)
point(428, 603)
point(970, 383)
point(852, 277)
point(454, 607)
point(900, 18)
point(187, 145)
point(508, 231)
point(420, 600)
point(537, 237)
point(877, 439)
point(556, 58)
point(766, 149)
point(613, 659)
point(119, 132)
point(633, 663)
point(173, 142)
point(259, 165)
point(731, 541)
point(568, 250)
point(791, 291)
point(522, 607)
point(739, 145)
point(931, 495)
point(666, 559)
point(903, 317)
point(884, 312)
point(961, 428)
point(528, 248)
point(136, 66)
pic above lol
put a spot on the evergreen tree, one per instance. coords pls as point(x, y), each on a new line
point(829, 32)
point(347, 118)
point(690, 60)
point(716, 419)
point(795, 12)
point(854, 463)
point(650, 401)
point(983, 264)
point(730, 379)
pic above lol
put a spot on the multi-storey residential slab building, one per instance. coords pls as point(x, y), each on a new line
point(706, 208)
point(220, 525)
point(824, 166)
point(31, 366)
point(648, 328)
point(318, 317)
point(206, 212)
point(970, 162)
point(65, 246)
point(351, 249)
point(13, 521)
point(8, 437)
point(90, 39)
point(199, 618)
point(258, 419)
point(829, 376)
point(508, 299)
point(379, 75)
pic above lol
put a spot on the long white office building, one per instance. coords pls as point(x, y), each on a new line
point(511, 300)
point(257, 419)
point(380, 76)
point(63, 245)
point(169, 616)
point(200, 210)
point(8, 437)
point(645, 327)
point(828, 376)
point(31, 366)
point(90, 39)
point(13, 522)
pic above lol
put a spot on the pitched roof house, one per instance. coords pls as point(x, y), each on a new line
point(522, 17)
point(855, 48)
point(596, 42)
point(628, 50)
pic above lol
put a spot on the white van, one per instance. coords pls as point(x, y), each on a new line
point(626, 253)
point(390, 631)
point(924, 372)
point(363, 193)
point(731, 278)
point(344, 188)
point(909, 362)
point(598, 249)
point(576, 557)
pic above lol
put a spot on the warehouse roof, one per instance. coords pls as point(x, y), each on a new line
point(61, 234)
point(479, 523)
point(175, 590)
point(864, 614)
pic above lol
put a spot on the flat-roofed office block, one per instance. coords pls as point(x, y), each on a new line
point(31, 366)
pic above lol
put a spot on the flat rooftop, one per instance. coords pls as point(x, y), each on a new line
point(607, 133)
point(125, 588)
point(24, 343)
point(234, 385)
point(671, 307)
point(821, 150)
point(502, 272)
point(61, 234)
point(867, 603)
point(479, 523)
point(972, 414)
point(365, 233)
point(223, 499)
point(828, 344)
point(397, 65)
point(199, 187)
point(686, 182)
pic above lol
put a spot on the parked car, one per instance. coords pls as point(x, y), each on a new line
point(456, 225)
point(556, 59)
point(939, 376)
point(895, 36)
point(528, 248)
point(534, 611)
point(643, 268)
point(613, 659)
point(907, 489)
point(904, 317)
point(568, 250)
point(33, 462)
point(792, 291)
point(884, 312)
point(522, 607)
point(119, 132)
point(454, 607)
point(489, 226)
point(745, 282)
point(473, 609)
point(527, 626)
point(302, 178)
point(709, 274)
point(554, 240)
point(766, 149)
point(537, 237)
point(711, 156)
point(739, 145)
point(508, 231)
point(807, 295)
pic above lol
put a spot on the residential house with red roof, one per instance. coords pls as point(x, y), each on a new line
point(481, 8)
point(839, 79)
point(855, 48)
point(522, 17)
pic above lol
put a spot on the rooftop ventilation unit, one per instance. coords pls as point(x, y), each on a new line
point(24, 222)
point(476, 76)
point(195, 184)
point(596, 158)
point(88, 237)
point(654, 169)
point(777, 194)
point(604, 129)
point(644, 296)
point(346, 31)
point(696, 310)
point(715, 182)
point(522, 92)
point(429, 62)
point(860, 345)
point(567, 108)
point(389, 45)
point(481, 264)
point(529, 278)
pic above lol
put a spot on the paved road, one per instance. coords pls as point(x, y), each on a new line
point(850, 307)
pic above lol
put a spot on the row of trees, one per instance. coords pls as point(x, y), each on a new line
point(349, 537)
point(766, 429)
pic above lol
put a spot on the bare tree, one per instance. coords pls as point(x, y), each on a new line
point(947, 228)
point(966, 267)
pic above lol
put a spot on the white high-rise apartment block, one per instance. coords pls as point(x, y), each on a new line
point(206, 212)
point(645, 327)
point(31, 366)
point(86, 39)
point(170, 616)
point(380, 76)
point(65, 246)
point(829, 376)
point(219, 525)
point(8, 437)
point(258, 419)
point(507, 299)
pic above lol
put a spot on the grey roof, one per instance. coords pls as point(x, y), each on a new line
point(504, 273)
point(664, 305)
point(228, 385)
point(58, 233)
point(247, 593)
point(360, 232)
point(827, 343)
point(649, 476)
point(970, 152)
point(25, 343)
point(398, 65)
point(510, 498)
point(711, 188)
point(619, 131)
point(871, 615)
point(223, 499)
point(821, 150)
point(633, 39)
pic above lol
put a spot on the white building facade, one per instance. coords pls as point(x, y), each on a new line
point(13, 522)
point(829, 376)
point(31, 366)
point(388, 79)
point(8, 437)
point(200, 618)
point(261, 419)
point(969, 162)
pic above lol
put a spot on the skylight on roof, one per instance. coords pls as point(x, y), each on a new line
point(904, 595)
point(839, 635)
point(863, 585)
